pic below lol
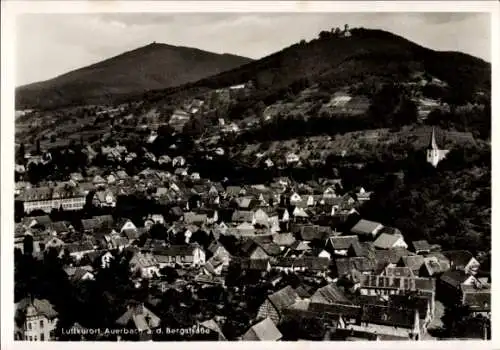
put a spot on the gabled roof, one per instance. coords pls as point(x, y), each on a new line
point(421, 245)
point(213, 326)
point(454, 278)
point(265, 330)
point(365, 227)
point(141, 317)
point(477, 299)
point(233, 191)
point(97, 222)
point(342, 242)
point(311, 232)
point(330, 294)
point(386, 241)
point(414, 262)
point(361, 264)
point(284, 239)
point(283, 298)
point(41, 307)
point(459, 258)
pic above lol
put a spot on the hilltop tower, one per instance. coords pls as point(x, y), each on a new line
point(346, 33)
point(434, 154)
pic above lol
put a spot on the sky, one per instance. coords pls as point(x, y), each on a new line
point(48, 45)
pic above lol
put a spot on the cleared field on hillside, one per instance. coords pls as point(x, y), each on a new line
point(366, 141)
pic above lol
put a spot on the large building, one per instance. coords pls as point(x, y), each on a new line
point(35, 320)
point(434, 154)
point(48, 198)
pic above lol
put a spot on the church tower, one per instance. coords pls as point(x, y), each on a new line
point(434, 154)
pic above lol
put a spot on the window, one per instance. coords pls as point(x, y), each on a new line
point(29, 326)
point(42, 336)
point(30, 338)
point(35, 338)
point(41, 323)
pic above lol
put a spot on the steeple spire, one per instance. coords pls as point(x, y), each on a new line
point(433, 144)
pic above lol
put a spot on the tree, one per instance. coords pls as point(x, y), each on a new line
point(28, 246)
point(20, 154)
point(407, 113)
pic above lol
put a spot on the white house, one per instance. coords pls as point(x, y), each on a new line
point(40, 320)
point(295, 198)
point(106, 259)
point(292, 158)
point(144, 264)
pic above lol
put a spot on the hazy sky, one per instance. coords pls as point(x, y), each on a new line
point(52, 44)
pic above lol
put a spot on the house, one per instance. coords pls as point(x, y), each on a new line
point(106, 259)
point(79, 249)
point(310, 233)
point(213, 327)
point(390, 241)
point(433, 266)
point(275, 303)
point(53, 242)
point(300, 213)
point(145, 265)
point(413, 262)
point(383, 286)
point(366, 229)
point(261, 217)
point(477, 298)
point(292, 158)
point(99, 180)
point(191, 255)
point(82, 273)
point(240, 216)
point(360, 265)
point(217, 249)
point(262, 266)
point(214, 266)
point(340, 245)
point(450, 283)
point(178, 161)
point(35, 319)
point(140, 319)
point(49, 198)
point(330, 294)
point(192, 218)
point(77, 177)
point(101, 222)
point(462, 260)
point(397, 323)
point(412, 301)
point(363, 195)
point(104, 198)
point(421, 247)
point(265, 330)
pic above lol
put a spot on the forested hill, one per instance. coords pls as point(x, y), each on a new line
point(333, 60)
point(154, 66)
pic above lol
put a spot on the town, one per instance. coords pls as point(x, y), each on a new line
point(296, 258)
point(245, 207)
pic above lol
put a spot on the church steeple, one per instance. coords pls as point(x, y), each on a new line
point(434, 154)
point(433, 144)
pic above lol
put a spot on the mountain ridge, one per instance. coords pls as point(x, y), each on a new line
point(153, 66)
